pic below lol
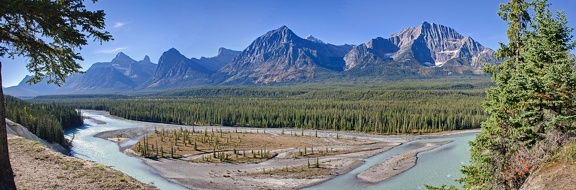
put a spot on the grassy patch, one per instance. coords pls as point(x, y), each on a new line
point(216, 145)
point(568, 153)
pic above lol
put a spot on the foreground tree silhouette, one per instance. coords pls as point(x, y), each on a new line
point(532, 108)
point(47, 33)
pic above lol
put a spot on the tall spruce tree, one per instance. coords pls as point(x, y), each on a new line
point(47, 33)
point(532, 107)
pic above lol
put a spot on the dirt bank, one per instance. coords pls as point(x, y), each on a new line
point(38, 167)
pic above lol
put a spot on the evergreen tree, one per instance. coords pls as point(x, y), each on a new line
point(532, 107)
point(46, 122)
point(47, 33)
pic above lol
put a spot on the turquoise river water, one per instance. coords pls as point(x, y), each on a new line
point(435, 167)
point(105, 152)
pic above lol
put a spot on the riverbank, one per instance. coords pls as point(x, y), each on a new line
point(269, 174)
point(38, 167)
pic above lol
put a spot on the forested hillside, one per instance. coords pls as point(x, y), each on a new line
point(391, 109)
point(45, 121)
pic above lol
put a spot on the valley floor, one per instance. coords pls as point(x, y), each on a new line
point(285, 170)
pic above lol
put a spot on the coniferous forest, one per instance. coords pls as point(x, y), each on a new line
point(46, 121)
point(390, 109)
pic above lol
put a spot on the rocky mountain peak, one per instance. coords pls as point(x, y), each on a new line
point(172, 51)
point(373, 42)
point(426, 23)
point(224, 51)
point(122, 58)
point(271, 44)
point(283, 28)
point(429, 32)
point(280, 56)
point(381, 47)
point(23, 82)
point(175, 69)
point(405, 36)
point(146, 59)
point(312, 38)
point(217, 62)
point(282, 35)
point(376, 50)
point(429, 44)
point(171, 57)
point(438, 32)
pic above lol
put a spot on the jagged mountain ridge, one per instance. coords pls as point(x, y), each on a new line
point(431, 45)
point(100, 78)
point(120, 74)
point(175, 70)
point(217, 62)
point(23, 89)
point(374, 51)
point(281, 56)
point(312, 38)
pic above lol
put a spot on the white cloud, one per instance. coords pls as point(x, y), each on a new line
point(119, 24)
point(111, 51)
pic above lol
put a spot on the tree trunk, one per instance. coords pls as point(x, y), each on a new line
point(6, 174)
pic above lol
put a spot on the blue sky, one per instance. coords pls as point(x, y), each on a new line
point(198, 28)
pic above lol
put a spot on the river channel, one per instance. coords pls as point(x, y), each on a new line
point(105, 152)
point(434, 167)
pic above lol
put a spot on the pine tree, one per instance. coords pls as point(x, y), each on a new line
point(532, 103)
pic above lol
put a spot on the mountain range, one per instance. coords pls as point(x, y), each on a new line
point(282, 57)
